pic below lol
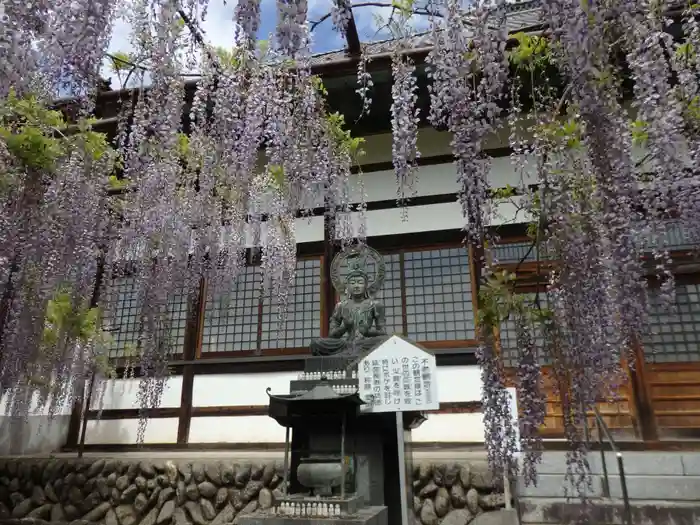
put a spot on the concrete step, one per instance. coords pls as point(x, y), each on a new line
point(639, 488)
point(637, 463)
point(649, 475)
point(542, 511)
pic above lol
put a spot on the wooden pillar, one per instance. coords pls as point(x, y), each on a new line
point(641, 396)
point(73, 435)
point(329, 252)
point(476, 263)
point(404, 313)
point(191, 351)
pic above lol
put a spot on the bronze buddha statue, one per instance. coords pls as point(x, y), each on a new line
point(357, 323)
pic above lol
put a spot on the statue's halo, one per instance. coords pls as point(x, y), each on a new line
point(374, 282)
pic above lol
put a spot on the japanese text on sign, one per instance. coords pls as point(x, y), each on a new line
point(398, 376)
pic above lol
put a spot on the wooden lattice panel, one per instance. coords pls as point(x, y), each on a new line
point(675, 396)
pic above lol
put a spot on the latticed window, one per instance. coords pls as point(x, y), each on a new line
point(674, 237)
point(125, 324)
point(239, 319)
point(303, 311)
point(426, 294)
point(509, 338)
point(390, 295)
point(231, 315)
point(513, 253)
point(674, 330)
point(438, 295)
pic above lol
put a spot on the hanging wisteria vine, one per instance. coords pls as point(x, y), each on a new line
point(172, 201)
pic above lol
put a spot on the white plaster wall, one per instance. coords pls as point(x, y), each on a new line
point(238, 389)
point(430, 144)
point(455, 383)
point(306, 229)
point(438, 179)
point(509, 211)
point(236, 429)
point(123, 393)
point(125, 431)
point(432, 217)
point(450, 428)
point(35, 435)
point(38, 433)
point(459, 383)
point(381, 185)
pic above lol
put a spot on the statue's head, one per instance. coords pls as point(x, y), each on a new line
point(356, 283)
point(364, 273)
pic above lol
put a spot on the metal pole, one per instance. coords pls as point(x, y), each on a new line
point(604, 465)
point(625, 495)
point(286, 462)
point(343, 467)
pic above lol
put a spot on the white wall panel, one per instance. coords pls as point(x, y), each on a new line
point(35, 435)
point(450, 428)
point(509, 211)
point(238, 389)
point(431, 143)
point(438, 179)
point(456, 383)
point(459, 383)
point(431, 217)
point(122, 393)
point(32, 396)
point(236, 429)
point(308, 229)
point(381, 185)
point(125, 431)
point(504, 172)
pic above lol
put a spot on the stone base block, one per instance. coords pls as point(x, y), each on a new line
point(365, 516)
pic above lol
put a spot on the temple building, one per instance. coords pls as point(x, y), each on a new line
point(227, 349)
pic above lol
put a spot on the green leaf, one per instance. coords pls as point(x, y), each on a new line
point(121, 61)
point(640, 135)
point(278, 176)
point(531, 52)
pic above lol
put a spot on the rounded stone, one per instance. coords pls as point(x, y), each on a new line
point(473, 500)
point(442, 502)
point(265, 498)
point(207, 489)
point(427, 513)
point(208, 510)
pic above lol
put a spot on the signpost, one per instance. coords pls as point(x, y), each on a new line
point(398, 376)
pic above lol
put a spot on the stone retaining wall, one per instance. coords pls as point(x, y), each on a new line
point(115, 492)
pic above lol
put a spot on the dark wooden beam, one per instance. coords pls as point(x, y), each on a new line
point(192, 338)
point(558, 445)
point(354, 48)
point(641, 394)
point(453, 407)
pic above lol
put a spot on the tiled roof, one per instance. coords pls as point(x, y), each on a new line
point(522, 15)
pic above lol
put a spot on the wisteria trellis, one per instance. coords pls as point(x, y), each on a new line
point(188, 202)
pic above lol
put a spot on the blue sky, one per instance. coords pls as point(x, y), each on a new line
point(218, 26)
